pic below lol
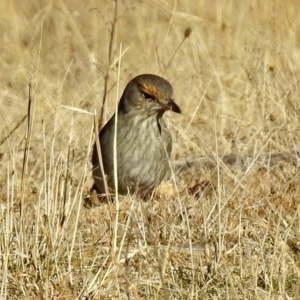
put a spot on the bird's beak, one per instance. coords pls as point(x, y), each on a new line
point(167, 104)
point(171, 105)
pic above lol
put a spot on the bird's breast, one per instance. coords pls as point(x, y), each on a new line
point(142, 154)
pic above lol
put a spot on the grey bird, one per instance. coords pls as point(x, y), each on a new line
point(143, 142)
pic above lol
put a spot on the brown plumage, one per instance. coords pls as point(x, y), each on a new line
point(143, 141)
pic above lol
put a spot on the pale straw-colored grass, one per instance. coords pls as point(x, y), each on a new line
point(222, 227)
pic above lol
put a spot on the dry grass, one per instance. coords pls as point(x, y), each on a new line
point(222, 230)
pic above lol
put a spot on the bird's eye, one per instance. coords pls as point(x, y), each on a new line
point(147, 96)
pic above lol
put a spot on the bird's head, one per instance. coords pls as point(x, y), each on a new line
point(150, 93)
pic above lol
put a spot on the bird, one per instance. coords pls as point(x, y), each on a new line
point(143, 142)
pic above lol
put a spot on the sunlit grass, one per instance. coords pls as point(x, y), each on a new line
point(226, 225)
